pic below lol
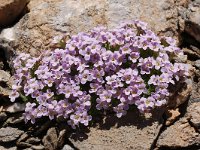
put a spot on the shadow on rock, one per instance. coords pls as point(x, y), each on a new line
point(133, 120)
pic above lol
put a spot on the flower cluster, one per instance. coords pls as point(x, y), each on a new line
point(102, 69)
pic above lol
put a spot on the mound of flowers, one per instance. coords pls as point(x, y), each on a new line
point(99, 70)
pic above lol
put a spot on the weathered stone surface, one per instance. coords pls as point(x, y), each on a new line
point(193, 20)
point(4, 76)
point(61, 138)
point(197, 63)
point(194, 53)
point(194, 115)
point(10, 148)
point(3, 116)
point(16, 119)
point(33, 140)
point(24, 145)
point(172, 115)
point(37, 147)
point(4, 85)
point(48, 18)
point(180, 94)
point(9, 134)
point(24, 141)
point(50, 140)
point(15, 107)
point(195, 94)
point(189, 21)
point(129, 132)
point(1, 65)
point(184, 132)
point(22, 138)
point(181, 134)
point(10, 10)
point(4, 91)
point(7, 51)
point(8, 34)
point(67, 147)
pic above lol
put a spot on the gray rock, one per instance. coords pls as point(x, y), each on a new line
point(183, 133)
point(8, 34)
point(4, 76)
point(61, 138)
point(195, 94)
point(9, 134)
point(179, 135)
point(194, 115)
point(197, 63)
point(197, 1)
point(23, 137)
point(3, 116)
point(24, 141)
point(10, 10)
point(5, 91)
point(33, 140)
point(37, 147)
point(50, 140)
point(192, 26)
point(130, 132)
point(24, 145)
point(18, 118)
point(47, 19)
point(28, 148)
point(1, 65)
point(67, 147)
point(180, 94)
point(10, 148)
point(15, 107)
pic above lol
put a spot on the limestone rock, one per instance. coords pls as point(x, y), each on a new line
point(189, 19)
point(10, 148)
point(4, 91)
point(181, 134)
point(15, 119)
point(61, 138)
point(22, 138)
point(9, 134)
point(193, 22)
point(7, 51)
point(172, 115)
point(49, 18)
point(26, 141)
point(50, 140)
point(180, 94)
point(37, 147)
point(54, 140)
point(3, 116)
point(33, 140)
point(195, 94)
point(16, 107)
point(197, 63)
point(4, 85)
point(4, 76)
point(130, 132)
point(8, 34)
point(10, 10)
point(194, 115)
point(67, 147)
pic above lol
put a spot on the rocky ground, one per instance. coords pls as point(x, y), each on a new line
point(29, 25)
